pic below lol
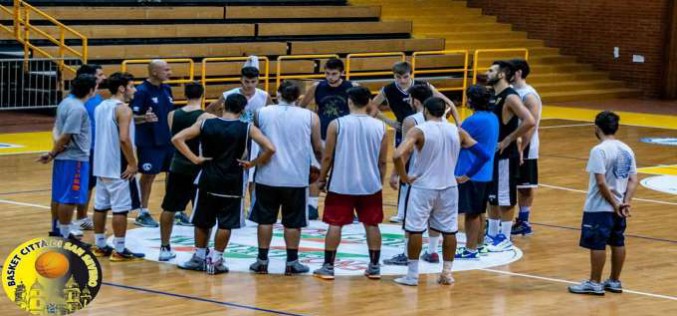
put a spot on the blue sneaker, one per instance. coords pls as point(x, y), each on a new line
point(145, 220)
point(397, 260)
point(499, 243)
point(521, 228)
point(465, 254)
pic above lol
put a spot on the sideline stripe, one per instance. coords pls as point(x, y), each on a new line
point(627, 118)
point(670, 170)
point(585, 192)
point(565, 125)
point(524, 275)
point(45, 207)
point(200, 299)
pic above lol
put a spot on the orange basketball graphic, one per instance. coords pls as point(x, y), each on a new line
point(52, 265)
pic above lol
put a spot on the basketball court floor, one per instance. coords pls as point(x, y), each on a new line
point(531, 280)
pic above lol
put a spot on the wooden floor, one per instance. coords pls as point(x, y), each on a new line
point(534, 285)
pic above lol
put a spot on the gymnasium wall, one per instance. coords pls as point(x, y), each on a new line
point(590, 29)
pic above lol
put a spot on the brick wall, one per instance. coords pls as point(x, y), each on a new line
point(590, 29)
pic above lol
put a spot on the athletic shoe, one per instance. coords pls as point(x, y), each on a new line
point(75, 231)
point(521, 228)
point(313, 214)
point(84, 223)
point(464, 254)
point(195, 264)
point(373, 271)
point(259, 267)
point(102, 252)
point(325, 273)
point(75, 240)
point(181, 219)
point(483, 251)
point(396, 219)
point(406, 280)
point(613, 286)
point(430, 257)
point(446, 279)
point(499, 243)
point(215, 267)
point(145, 220)
point(397, 260)
point(295, 267)
point(125, 256)
point(587, 287)
point(488, 240)
point(54, 234)
point(166, 254)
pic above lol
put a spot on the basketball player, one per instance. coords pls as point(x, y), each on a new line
point(331, 102)
point(256, 99)
point(528, 173)
point(418, 94)
point(182, 172)
point(514, 122)
point(283, 183)
point(70, 152)
point(396, 96)
point(83, 222)
point(115, 168)
point(355, 154)
point(433, 197)
point(221, 183)
point(473, 194)
point(613, 180)
point(151, 105)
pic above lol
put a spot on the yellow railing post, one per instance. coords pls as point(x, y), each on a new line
point(463, 70)
point(26, 35)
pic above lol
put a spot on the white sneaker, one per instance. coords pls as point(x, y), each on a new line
point(75, 230)
point(406, 280)
point(166, 255)
point(84, 224)
point(499, 243)
point(396, 219)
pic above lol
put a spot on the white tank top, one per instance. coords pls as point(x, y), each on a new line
point(289, 128)
point(255, 103)
point(534, 144)
point(418, 118)
point(358, 144)
point(108, 157)
point(436, 161)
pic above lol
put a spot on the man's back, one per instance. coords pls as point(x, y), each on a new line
point(616, 161)
point(72, 118)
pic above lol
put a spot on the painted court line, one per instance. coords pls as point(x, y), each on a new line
point(43, 206)
point(194, 298)
point(565, 125)
point(667, 297)
point(585, 192)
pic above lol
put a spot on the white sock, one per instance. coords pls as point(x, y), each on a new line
point(412, 269)
point(313, 201)
point(119, 243)
point(143, 211)
point(65, 230)
point(201, 252)
point(100, 240)
point(493, 227)
point(432, 243)
point(506, 228)
point(217, 255)
point(447, 266)
point(406, 245)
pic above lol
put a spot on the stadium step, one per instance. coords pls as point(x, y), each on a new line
point(598, 94)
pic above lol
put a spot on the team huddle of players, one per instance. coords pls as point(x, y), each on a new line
point(245, 141)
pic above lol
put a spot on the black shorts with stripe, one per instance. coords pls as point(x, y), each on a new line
point(503, 187)
point(268, 200)
point(210, 209)
point(528, 174)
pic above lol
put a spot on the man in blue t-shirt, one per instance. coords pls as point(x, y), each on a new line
point(151, 105)
point(474, 194)
point(83, 222)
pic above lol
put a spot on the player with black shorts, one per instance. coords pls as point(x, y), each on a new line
point(221, 180)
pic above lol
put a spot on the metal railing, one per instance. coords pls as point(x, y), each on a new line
point(34, 85)
point(190, 77)
point(315, 58)
point(350, 60)
point(22, 30)
point(520, 52)
point(463, 70)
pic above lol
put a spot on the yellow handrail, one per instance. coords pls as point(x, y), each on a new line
point(476, 66)
point(265, 75)
point(191, 70)
point(464, 70)
point(350, 57)
point(279, 76)
point(22, 29)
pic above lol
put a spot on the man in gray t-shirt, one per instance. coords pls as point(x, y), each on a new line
point(72, 140)
point(613, 180)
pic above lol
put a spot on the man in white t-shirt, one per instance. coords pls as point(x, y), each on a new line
point(613, 180)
